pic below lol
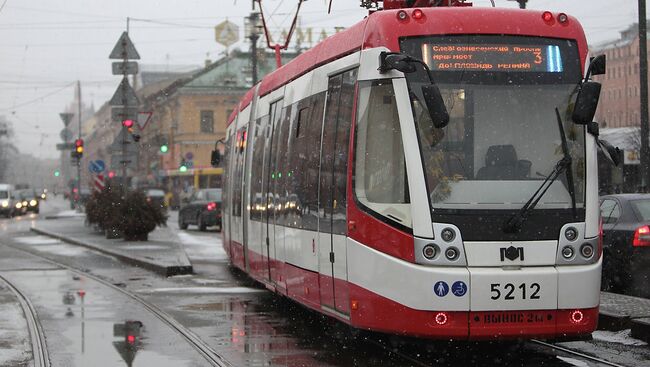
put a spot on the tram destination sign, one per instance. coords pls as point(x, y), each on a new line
point(493, 58)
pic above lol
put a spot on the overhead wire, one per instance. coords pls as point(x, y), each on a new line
point(36, 99)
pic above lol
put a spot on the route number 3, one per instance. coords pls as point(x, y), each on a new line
point(508, 291)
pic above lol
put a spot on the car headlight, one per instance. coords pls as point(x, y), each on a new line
point(5, 204)
point(25, 203)
point(19, 205)
point(43, 196)
point(33, 203)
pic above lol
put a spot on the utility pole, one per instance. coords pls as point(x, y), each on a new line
point(643, 75)
point(79, 137)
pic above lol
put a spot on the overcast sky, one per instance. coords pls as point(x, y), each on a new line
point(46, 45)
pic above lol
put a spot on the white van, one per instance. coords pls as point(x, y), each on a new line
point(7, 201)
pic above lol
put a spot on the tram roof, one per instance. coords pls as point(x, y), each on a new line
point(384, 29)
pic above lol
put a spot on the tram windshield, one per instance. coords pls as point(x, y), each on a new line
point(503, 137)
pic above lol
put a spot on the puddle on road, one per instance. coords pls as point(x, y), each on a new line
point(87, 324)
point(202, 290)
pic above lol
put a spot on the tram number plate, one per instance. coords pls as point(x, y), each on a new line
point(511, 292)
point(513, 317)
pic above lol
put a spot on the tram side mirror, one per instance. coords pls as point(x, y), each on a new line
point(611, 153)
point(435, 105)
point(395, 61)
point(586, 103)
point(597, 66)
point(215, 158)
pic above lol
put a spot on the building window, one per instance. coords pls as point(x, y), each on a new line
point(207, 121)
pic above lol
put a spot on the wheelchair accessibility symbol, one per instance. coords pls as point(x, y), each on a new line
point(459, 289)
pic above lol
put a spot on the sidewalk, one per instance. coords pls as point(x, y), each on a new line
point(619, 312)
point(163, 253)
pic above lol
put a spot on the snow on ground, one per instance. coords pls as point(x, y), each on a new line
point(202, 247)
point(619, 337)
point(15, 347)
point(573, 362)
point(202, 290)
point(69, 213)
point(37, 240)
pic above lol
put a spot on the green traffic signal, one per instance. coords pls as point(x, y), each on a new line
point(57, 173)
point(164, 148)
point(183, 169)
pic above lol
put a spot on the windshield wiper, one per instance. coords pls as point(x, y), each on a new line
point(514, 223)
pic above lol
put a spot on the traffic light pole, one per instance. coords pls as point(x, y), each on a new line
point(79, 137)
point(643, 75)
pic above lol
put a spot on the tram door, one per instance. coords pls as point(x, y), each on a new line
point(332, 222)
point(273, 233)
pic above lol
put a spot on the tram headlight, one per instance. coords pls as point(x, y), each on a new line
point(567, 252)
point(452, 253)
point(571, 234)
point(33, 203)
point(5, 204)
point(19, 205)
point(430, 251)
point(448, 234)
point(587, 250)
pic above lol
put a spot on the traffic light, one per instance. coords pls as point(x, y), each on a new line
point(164, 148)
point(78, 151)
point(57, 173)
point(183, 168)
point(127, 124)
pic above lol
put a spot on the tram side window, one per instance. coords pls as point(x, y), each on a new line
point(380, 169)
point(296, 172)
point(240, 145)
point(309, 167)
point(258, 139)
point(282, 166)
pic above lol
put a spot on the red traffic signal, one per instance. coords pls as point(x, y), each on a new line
point(127, 124)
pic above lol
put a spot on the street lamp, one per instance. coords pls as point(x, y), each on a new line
point(252, 31)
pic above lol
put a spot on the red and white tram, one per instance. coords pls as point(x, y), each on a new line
point(420, 173)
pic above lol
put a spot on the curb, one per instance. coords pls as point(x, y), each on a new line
point(613, 322)
point(641, 329)
point(165, 270)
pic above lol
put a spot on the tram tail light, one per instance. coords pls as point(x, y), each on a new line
point(442, 318)
point(418, 14)
point(211, 206)
point(577, 317)
point(641, 237)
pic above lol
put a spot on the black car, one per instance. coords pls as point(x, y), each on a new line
point(626, 243)
point(31, 202)
point(203, 209)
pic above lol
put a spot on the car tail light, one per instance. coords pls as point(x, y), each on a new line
point(211, 206)
point(641, 237)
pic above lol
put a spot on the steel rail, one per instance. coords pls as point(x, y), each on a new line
point(36, 334)
point(195, 341)
point(576, 353)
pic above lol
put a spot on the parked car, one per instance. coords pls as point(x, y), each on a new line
point(202, 209)
point(626, 243)
point(156, 197)
point(7, 201)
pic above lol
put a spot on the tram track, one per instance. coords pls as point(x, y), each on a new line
point(205, 350)
point(575, 353)
point(209, 354)
point(36, 334)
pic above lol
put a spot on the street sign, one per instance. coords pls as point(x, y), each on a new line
point(97, 166)
point(124, 49)
point(65, 135)
point(65, 146)
point(124, 95)
point(125, 68)
point(119, 114)
point(98, 183)
point(117, 160)
point(226, 33)
point(143, 119)
point(116, 146)
point(66, 118)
